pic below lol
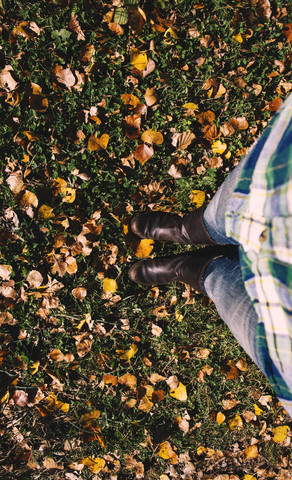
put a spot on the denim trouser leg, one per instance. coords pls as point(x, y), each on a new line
point(222, 279)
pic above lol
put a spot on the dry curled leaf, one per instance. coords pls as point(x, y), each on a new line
point(75, 26)
point(64, 76)
point(79, 293)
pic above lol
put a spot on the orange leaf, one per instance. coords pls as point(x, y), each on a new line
point(130, 100)
point(144, 248)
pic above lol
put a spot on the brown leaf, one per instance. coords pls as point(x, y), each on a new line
point(38, 102)
point(242, 364)
point(239, 123)
point(112, 379)
point(87, 53)
point(287, 32)
point(158, 396)
point(72, 265)
point(143, 153)
point(83, 347)
point(129, 380)
point(226, 129)
point(74, 25)
point(7, 81)
point(173, 382)
point(15, 182)
point(210, 132)
point(34, 278)
point(263, 9)
point(132, 125)
point(50, 464)
point(64, 76)
point(229, 403)
point(150, 96)
point(275, 104)
point(5, 272)
point(20, 398)
point(206, 118)
point(79, 293)
point(230, 370)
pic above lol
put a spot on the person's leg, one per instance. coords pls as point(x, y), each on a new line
point(214, 215)
point(223, 284)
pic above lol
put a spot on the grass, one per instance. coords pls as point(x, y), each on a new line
point(44, 138)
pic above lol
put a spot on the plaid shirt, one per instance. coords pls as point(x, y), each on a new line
point(259, 218)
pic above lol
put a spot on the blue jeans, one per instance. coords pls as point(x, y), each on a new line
point(222, 280)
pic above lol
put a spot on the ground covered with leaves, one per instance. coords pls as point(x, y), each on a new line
point(110, 109)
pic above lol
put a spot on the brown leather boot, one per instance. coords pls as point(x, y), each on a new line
point(187, 230)
point(188, 268)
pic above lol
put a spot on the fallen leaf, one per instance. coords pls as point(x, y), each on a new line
point(64, 76)
point(143, 153)
point(220, 417)
point(257, 410)
point(7, 81)
point(156, 330)
point(235, 423)
point(150, 67)
point(251, 452)
point(75, 26)
point(98, 143)
point(112, 379)
point(237, 38)
point(287, 32)
point(56, 355)
point(50, 464)
point(275, 104)
point(132, 125)
point(150, 97)
point(130, 100)
point(152, 136)
point(79, 293)
point(239, 123)
point(219, 147)
point(129, 380)
point(127, 354)
point(45, 212)
point(197, 197)
point(190, 106)
point(144, 248)
point(20, 398)
point(83, 347)
point(280, 433)
point(5, 272)
point(34, 278)
point(138, 59)
point(180, 393)
point(110, 285)
point(165, 451)
point(95, 465)
point(145, 405)
point(15, 182)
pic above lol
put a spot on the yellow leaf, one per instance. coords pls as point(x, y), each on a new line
point(5, 397)
point(179, 316)
point(235, 423)
point(127, 354)
point(54, 404)
point(219, 147)
point(220, 417)
point(249, 477)
point(251, 452)
point(170, 34)
point(45, 212)
point(110, 285)
point(145, 405)
point(98, 143)
point(29, 198)
point(34, 367)
point(25, 158)
point(237, 38)
point(88, 418)
point(197, 197)
point(257, 410)
point(144, 248)
point(180, 393)
point(165, 451)
point(59, 184)
point(280, 433)
point(191, 106)
point(70, 195)
point(95, 465)
point(227, 154)
point(152, 136)
point(138, 59)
